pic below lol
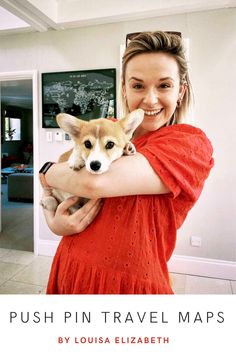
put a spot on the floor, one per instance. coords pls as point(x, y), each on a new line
point(17, 224)
point(23, 273)
point(17, 229)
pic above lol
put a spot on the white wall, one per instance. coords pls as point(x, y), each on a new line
point(213, 70)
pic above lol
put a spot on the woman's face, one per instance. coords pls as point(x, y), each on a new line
point(152, 83)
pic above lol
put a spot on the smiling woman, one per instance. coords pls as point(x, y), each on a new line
point(168, 75)
point(126, 245)
point(152, 82)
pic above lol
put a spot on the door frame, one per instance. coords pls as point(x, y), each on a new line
point(33, 75)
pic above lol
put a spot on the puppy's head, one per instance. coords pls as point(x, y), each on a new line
point(100, 141)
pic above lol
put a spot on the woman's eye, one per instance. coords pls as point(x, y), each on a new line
point(109, 145)
point(88, 144)
point(137, 86)
point(165, 86)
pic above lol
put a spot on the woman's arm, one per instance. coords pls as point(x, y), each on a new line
point(129, 175)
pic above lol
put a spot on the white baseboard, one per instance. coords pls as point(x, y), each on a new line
point(212, 268)
point(47, 247)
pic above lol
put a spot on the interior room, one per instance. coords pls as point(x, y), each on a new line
point(39, 38)
point(17, 165)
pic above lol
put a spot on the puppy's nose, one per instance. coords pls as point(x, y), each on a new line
point(95, 165)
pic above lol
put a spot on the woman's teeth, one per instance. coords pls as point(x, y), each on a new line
point(152, 113)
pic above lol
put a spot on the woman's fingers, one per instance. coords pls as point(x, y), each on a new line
point(66, 204)
point(82, 212)
point(62, 222)
point(87, 213)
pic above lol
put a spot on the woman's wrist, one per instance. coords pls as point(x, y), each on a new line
point(50, 175)
point(42, 173)
point(59, 175)
point(81, 183)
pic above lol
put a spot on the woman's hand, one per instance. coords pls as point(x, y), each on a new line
point(62, 222)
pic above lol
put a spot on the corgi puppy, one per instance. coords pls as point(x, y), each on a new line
point(97, 143)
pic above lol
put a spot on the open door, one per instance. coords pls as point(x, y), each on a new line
point(0, 164)
point(10, 123)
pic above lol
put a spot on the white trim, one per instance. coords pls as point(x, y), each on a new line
point(47, 247)
point(17, 75)
point(1, 158)
point(36, 159)
point(33, 75)
point(205, 267)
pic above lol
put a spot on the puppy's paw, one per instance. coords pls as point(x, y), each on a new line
point(76, 166)
point(49, 203)
point(129, 149)
point(75, 162)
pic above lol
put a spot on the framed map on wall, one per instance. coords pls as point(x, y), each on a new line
point(87, 94)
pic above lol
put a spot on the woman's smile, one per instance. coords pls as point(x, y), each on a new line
point(153, 112)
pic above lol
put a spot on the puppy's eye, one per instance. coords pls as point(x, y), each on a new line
point(88, 144)
point(109, 145)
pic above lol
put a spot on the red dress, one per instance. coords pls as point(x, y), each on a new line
point(126, 248)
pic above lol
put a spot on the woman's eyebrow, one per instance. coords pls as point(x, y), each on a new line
point(166, 78)
point(162, 79)
point(135, 78)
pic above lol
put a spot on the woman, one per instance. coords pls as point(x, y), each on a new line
point(124, 247)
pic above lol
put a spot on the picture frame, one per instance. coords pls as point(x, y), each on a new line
point(85, 94)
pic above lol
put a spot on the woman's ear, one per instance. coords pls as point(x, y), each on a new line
point(182, 91)
point(123, 89)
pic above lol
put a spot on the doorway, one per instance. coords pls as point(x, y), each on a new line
point(17, 98)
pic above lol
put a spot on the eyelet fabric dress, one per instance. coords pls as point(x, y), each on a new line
point(126, 248)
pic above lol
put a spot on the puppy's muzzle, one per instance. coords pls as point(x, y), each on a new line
point(95, 165)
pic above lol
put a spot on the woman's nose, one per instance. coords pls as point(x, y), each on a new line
point(150, 98)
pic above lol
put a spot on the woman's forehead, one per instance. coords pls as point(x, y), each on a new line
point(162, 65)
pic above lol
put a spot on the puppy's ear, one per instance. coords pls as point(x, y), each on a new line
point(132, 121)
point(70, 124)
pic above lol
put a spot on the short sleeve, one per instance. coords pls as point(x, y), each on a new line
point(181, 155)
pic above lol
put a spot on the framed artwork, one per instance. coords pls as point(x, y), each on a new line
point(86, 94)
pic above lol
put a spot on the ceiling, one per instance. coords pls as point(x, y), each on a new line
point(43, 15)
point(22, 16)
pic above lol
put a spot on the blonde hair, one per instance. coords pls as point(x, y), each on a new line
point(146, 42)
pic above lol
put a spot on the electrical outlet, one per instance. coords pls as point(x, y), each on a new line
point(58, 136)
point(196, 241)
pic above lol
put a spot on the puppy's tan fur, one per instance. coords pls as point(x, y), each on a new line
point(97, 144)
